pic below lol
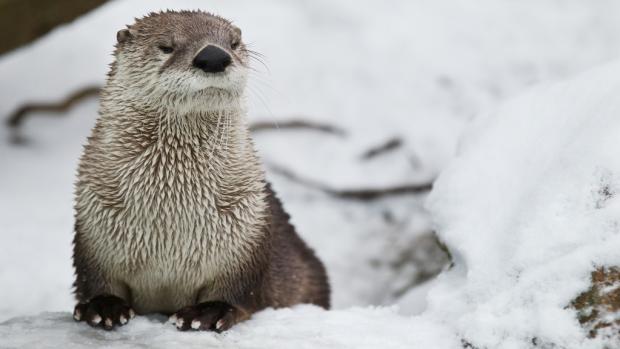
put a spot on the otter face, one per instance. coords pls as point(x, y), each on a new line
point(190, 59)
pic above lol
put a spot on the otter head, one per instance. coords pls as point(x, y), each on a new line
point(186, 61)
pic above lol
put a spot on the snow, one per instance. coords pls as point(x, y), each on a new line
point(528, 208)
point(301, 327)
point(520, 207)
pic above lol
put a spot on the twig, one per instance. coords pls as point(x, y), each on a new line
point(365, 194)
point(297, 125)
point(388, 146)
point(18, 117)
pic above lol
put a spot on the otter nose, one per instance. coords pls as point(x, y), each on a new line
point(212, 59)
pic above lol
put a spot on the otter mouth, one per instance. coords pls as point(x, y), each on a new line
point(216, 91)
point(213, 89)
point(214, 83)
point(197, 84)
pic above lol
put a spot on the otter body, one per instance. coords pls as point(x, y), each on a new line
point(173, 213)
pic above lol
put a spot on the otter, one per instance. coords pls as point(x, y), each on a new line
point(173, 213)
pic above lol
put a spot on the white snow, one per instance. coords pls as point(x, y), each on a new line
point(528, 209)
point(520, 207)
point(301, 327)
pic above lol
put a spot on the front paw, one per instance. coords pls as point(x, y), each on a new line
point(208, 316)
point(104, 311)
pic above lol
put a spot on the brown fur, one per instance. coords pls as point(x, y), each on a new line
point(172, 207)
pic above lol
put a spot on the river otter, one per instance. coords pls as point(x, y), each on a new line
point(173, 212)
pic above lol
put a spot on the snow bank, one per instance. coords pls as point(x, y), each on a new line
point(528, 209)
point(300, 327)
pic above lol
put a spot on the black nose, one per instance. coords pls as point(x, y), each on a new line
point(212, 59)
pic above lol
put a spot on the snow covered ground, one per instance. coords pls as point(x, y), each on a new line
point(528, 209)
point(304, 327)
point(520, 208)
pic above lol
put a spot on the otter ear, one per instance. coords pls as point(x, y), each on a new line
point(124, 35)
point(237, 31)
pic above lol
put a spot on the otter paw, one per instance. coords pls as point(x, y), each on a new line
point(104, 311)
point(208, 316)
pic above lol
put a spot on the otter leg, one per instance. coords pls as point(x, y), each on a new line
point(106, 311)
point(208, 316)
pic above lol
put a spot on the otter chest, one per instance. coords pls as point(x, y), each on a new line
point(176, 232)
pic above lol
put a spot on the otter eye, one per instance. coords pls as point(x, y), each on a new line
point(166, 49)
point(234, 45)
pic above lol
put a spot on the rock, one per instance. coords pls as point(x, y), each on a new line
point(598, 309)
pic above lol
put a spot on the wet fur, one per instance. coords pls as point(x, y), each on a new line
point(172, 206)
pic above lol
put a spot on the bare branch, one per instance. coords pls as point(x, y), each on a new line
point(18, 117)
point(296, 125)
point(388, 146)
point(364, 194)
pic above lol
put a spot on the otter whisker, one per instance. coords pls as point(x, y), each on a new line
point(229, 123)
point(256, 92)
point(252, 52)
point(259, 60)
point(224, 131)
point(213, 140)
point(259, 57)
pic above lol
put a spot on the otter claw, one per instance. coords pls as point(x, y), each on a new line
point(208, 316)
point(172, 319)
point(95, 320)
point(105, 311)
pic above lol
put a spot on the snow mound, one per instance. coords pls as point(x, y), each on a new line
point(300, 327)
point(529, 209)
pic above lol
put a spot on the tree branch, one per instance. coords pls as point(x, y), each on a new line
point(386, 147)
point(363, 194)
point(18, 117)
point(296, 125)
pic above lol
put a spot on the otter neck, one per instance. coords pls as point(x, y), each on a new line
point(222, 136)
point(216, 142)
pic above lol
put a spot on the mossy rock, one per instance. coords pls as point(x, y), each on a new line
point(598, 309)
